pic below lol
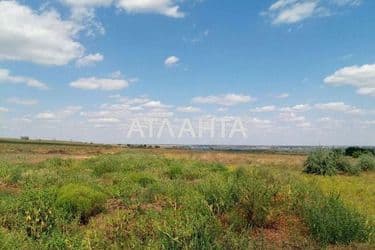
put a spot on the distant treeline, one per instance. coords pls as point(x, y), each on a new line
point(357, 151)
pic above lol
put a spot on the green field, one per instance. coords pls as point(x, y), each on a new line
point(107, 197)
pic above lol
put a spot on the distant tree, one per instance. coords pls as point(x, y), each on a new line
point(357, 151)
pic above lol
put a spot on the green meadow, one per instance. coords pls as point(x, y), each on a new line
point(178, 199)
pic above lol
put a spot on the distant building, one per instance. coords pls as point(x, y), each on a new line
point(25, 138)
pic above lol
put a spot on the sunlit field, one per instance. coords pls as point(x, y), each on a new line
point(108, 197)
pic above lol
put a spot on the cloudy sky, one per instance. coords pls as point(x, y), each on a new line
point(294, 71)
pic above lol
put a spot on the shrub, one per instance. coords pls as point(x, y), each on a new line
point(357, 151)
point(37, 213)
point(80, 201)
point(331, 222)
point(366, 162)
point(255, 192)
point(57, 162)
point(105, 165)
point(10, 174)
point(193, 226)
point(217, 193)
point(145, 181)
point(174, 172)
point(329, 162)
point(321, 162)
point(343, 165)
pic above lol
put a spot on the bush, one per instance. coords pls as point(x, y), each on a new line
point(255, 192)
point(10, 174)
point(174, 172)
point(366, 162)
point(37, 213)
point(80, 201)
point(217, 193)
point(321, 162)
point(329, 162)
point(331, 222)
point(343, 165)
point(357, 151)
point(104, 165)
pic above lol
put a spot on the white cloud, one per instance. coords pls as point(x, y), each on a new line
point(163, 7)
point(297, 108)
point(155, 105)
point(3, 110)
point(294, 11)
point(69, 111)
point(106, 84)
point(59, 114)
point(188, 109)
point(6, 77)
point(259, 123)
point(221, 109)
point(88, 3)
point(282, 96)
point(42, 38)
point(45, 116)
point(360, 77)
point(292, 117)
point(171, 61)
point(104, 120)
point(339, 107)
point(21, 101)
point(223, 100)
point(296, 120)
point(264, 109)
point(347, 2)
point(89, 60)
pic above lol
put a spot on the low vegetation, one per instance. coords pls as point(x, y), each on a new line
point(141, 200)
point(357, 151)
point(331, 162)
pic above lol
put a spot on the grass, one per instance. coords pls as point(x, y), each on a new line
point(172, 199)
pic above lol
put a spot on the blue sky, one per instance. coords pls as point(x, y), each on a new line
point(295, 71)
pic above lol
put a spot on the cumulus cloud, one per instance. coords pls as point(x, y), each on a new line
point(22, 101)
point(291, 117)
point(45, 116)
point(339, 107)
point(360, 77)
point(89, 60)
point(88, 3)
point(294, 11)
point(297, 108)
point(6, 77)
point(59, 114)
point(171, 61)
point(155, 105)
point(259, 123)
point(223, 100)
point(264, 109)
point(106, 84)
point(168, 8)
point(42, 38)
point(282, 96)
point(164, 7)
point(347, 2)
point(188, 109)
